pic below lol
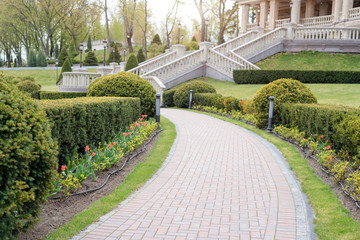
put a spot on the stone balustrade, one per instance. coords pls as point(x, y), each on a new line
point(77, 80)
point(268, 39)
point(251, 25)
point(154, 63)
point(223, 63)
point(226, 47)
point(282, 22)
point(247, 65)
point(326, 34)
point(157, 85)
point(317, 21)
point(354, 13)
point(178, 66)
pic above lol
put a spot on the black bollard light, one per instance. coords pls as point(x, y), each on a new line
point(190, 99)
point(158, 108)
point(271, 114)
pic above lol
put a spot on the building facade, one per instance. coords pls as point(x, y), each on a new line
point(271, 14)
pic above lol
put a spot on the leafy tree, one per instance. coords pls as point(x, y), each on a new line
point(66, 67)
point(72, 51)
point(32, 59)
point(117, 56)
point(131, 63)
point(63, 56)
point(56, 51)
point(41, 59)
point(89, 44)
point(90, 59)
point(140, 56)
point(156, 40)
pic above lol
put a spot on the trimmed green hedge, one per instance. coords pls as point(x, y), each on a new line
point(304, 76)
point(339, 124)
point(78, 122)
point(168, 97)
point(60, 95)
point(209, 99)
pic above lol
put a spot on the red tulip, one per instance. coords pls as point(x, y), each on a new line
point(87, 148)
point(125, 134)
point(114, 143)
point(93, 154)
point(131, 128)
point(328, 147)
point(322, 136)
point(63, 167)
point(130, 133)
point(110, 145)
point(140, 119)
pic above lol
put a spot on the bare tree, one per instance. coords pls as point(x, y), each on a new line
point(128, 11)
point(143, 24)
point(170, 20)
point(200, 7)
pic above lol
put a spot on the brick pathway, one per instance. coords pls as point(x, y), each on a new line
point(219, 182)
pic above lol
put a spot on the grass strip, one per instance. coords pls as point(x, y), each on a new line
point(332, 219)
point(141, 173)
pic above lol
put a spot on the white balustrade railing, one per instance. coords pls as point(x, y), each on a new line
point(157, 85)
point(178, 66)
point(155, 63)
point(326, 34)
point(354, 13)
point(153, 58)
point(223, 63)
point(251, 25)
point(247, 65)
point(317, 21)
point(281, 22)
point(226, 47)
point(77, 79)
point(266, 40)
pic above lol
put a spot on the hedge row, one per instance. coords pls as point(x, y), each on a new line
point(267, 76)
point(209, 100)
point(61, 95)
point(78, 122)
point(339, 124)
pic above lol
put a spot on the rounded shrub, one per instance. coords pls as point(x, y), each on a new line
point(28, 86)
point(111, 55)
point(284, 91)
point(191, 46)
point(168, 97)
point(90, 59)
point(63, 56)
point(28, 160)
point(348, 134)
point(125, 84)
point(231, 104)
point(131, 63)
point(209, 99)
point(182, 93)
point(156, 40)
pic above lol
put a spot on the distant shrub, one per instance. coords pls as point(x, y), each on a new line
point(182, 94)
point(193, 39)
point(61, 95)
point(131, 63)
point(156, 40)
point(125, 84)
point(72, 51)
point(231, 104)
point(65, 68)
point(41, 59)
point(190, 46)
point(89, 44)
point(32, 59)
point(140, 56)
point(28, 86)
point(284, 91)
point(90, 59)
point(209, 99)
point(111, 56)
point(63, 56)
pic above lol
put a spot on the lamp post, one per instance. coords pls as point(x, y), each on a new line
point(114, 54)
point(179, 28)
point(206, 29)
point(56, 65)
point(105, 45)
point(81, 49)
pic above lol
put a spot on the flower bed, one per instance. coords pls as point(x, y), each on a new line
point(101, 157)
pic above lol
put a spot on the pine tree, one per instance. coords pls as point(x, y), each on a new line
point(15, 62)
point(131, 63)
point(65, 68)
point(193, 39)
point(72, 51)
point(89, 44)
point(156, 39)
point(111, 58)
point(90, 59)
point(41, 59)
point(32, 59)
point(56, 51)
point(140, 56)
point(62, 56)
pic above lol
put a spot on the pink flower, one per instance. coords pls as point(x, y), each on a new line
point(145, 116)
point(114, 143)
point(143, 123)
point(328, 147)
point(93, 154)
point(300, 137)
point(140, 119)
point(330, 157)
point(87, 148)
point(131, 128)
point(130, 133)
point(322, 136)
point(110, 145)
point(125, 134)
point(63, 167)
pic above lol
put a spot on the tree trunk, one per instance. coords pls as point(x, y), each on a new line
point(128, 40)
point(203, 37)
point(145, 30)
point(107, 28)
point(221, 36)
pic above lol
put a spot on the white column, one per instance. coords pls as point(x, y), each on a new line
point(295, 11)
point(337, 8)
point(274, 13)
point(244, 17)
point(347, 4)
point(257, 20)
point(310, 8)
point(264, 9)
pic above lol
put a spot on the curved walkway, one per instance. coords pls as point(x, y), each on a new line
point(219, 182)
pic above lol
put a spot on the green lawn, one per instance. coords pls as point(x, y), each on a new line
point(309, 60)
point(344, 94)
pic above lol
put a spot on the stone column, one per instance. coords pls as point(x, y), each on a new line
point(206, 46)
point(310, 8)
point(347, 4)
point(274, 13)
point(264, 8)
point(257, 19)
point(179, 49)
point(295, 11)
point(337, 8)
point(244, 17)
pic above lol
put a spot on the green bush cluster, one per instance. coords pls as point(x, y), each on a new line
point(110, 59)
point(190, 46)
point(61, 95)
point(29, 87)
point(209, 100)
point(63, 56)
point(156, 40)
point(182, 93)
point(304, 76)
point(131, 63)
point(28, 159)
point(78, 122)
point(125, 84)
point(140, 56)
point(339, 124)
point(90, 59)
point(66, 67)
point(168, 97)
point(284, 91)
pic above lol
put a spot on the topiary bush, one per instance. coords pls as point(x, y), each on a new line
point(65, 68)
point(29, 87)
point(140, 56)
point(125, 84)
point(28, 160)
point(110, 59)
point(168, 97)
point(63, 56)
point(131, 63)
point(182, 94)
point(31, 59)
point(41, 59)
point(156, 40)
point(284, 91)
point(90, 59)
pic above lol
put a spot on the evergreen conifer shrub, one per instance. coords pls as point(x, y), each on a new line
point(89, 44)
point(65, 68)
point(28, 86)
point(63, 56)
point(32, 59)
point(140, 56)
point(41, 59)
point(131, 63)
point(90, 59)
point(156, 40)
point(111, 56)
point(56, 50)
point(72, 51)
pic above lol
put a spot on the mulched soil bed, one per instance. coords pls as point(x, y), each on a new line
point(56, 213)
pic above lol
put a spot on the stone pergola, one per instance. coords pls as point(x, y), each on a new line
point(269, 14)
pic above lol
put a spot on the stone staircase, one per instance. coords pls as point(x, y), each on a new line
point(176, 65)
